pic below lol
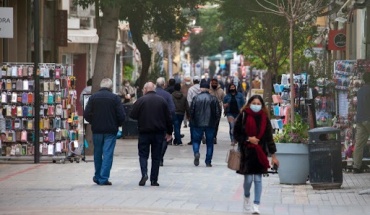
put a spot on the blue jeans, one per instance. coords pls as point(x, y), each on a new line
point(103, 155)
point(231, 119)
point(248, 179)
point(197, 138)
point(177, 128)
point(150, 142)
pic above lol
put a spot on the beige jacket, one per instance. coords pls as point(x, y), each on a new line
point(219, 93)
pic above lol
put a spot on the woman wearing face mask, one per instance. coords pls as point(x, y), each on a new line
point(127, 92)
point(233, 102)
point(253, 131)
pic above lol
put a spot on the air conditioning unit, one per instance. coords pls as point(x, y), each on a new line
point(87, 12)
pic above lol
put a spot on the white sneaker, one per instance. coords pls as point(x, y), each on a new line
point(247, 205)
point(255, 209)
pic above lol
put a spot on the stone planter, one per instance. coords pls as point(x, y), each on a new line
point(294, 163)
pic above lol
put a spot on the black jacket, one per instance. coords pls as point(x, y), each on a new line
point(104, 111)
point(152, 113)
point(249, 163)
point(205, 110)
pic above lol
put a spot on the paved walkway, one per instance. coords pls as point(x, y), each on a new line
point(49, 188)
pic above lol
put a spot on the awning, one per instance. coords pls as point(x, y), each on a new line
point(82, 36)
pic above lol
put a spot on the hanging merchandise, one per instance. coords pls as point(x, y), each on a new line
point(17, 100)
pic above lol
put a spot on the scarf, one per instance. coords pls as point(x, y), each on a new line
point(252, 131)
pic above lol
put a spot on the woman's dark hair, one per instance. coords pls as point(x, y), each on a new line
point(264, 108)
point(228, 88)
point(256, 97)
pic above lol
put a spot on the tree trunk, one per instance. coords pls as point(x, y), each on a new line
point(106, 47)
point(136, 25)
point(267, 88)
point(104, 57)
point(291, 53)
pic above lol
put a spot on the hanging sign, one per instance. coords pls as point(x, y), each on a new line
point(337, 40)
point(6, 22)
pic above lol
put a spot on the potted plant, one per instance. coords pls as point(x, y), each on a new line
point(292, 152)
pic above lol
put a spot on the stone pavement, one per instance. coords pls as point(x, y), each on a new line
point(49, 188)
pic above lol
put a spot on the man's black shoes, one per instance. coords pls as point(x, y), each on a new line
point(154, 183)
point(106, 183)
point(143, 180)
point(95, 181)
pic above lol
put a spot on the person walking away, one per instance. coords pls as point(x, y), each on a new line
point(155, 127)
point(193, 91)
point(181, 107)
point(233, 102)
point(217, 91)
point(127, 92)
point(184, 90)
point(204, 113)
point(86, 90)
point(171, 106)
point(253, 131)
point(171, 85)
point(362, 123)
point(104, 111)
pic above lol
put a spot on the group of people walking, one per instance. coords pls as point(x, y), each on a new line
point(160, 112)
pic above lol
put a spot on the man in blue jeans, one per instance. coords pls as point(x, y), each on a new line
point(155, 126)
point(205, 112)
point(104, 111)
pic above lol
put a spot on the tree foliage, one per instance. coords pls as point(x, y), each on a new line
point(264, 36)
point(164, 18)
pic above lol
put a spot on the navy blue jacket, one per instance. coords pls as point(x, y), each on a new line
point(104, 111)
point(152, 113)
point(363, 104)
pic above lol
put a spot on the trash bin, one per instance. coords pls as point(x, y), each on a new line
point(129, 127)
point(325, 158)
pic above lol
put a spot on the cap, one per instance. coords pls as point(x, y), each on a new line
point(196, 78)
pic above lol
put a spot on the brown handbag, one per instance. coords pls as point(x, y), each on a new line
point(233, 159)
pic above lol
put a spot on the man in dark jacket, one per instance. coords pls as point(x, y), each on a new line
point(205, 112)
point(171, 106)
point(104, 111)
point(181, 107)
point(154, 123)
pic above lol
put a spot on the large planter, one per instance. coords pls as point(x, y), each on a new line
point(294, 163)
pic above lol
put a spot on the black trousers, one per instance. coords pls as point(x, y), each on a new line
point(150, 142)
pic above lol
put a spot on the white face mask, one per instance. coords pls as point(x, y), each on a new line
point(256, 108)
point(127, 84)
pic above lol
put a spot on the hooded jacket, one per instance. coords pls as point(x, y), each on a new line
point(181, 103)
point(192, 92)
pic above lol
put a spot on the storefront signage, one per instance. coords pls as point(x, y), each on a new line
point(337, 40)
point(6, 22)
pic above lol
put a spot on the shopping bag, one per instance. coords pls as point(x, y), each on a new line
point(233, 159)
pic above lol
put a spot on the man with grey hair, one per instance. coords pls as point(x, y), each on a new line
point(104, 111)
point(171, 106)
point(155, 127)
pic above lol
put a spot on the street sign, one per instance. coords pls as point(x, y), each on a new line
point(6, 22)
